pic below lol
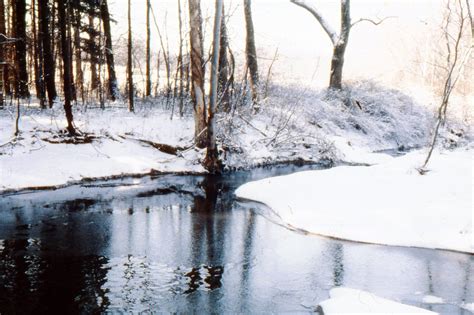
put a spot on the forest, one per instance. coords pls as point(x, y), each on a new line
point(160, 153)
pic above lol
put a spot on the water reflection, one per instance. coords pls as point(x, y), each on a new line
point(182, 244)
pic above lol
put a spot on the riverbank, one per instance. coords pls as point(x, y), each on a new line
point(390, 203)
point(294, 124)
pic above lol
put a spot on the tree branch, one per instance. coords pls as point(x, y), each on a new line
point(324, 24)
point(7, 40)
point(372, 21)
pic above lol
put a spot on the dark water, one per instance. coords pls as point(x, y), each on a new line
point(184, 244)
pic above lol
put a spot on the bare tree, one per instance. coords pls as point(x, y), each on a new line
point(212, 162)
point(109, 52)
point(339, 40)
point(251, 51)
point(77, 48)
point(148, 55)
point(3, 63)
point(180, 61)
point(224, 82)
point(45, 26)
point(19, 15)
point(63, 19)
point(456, 23)
point(197, 72)
point(129, 61)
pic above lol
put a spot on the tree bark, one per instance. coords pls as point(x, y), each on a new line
point(181, 62)
point(70, 20)
point(3, 78)
point(212, 162)
point(93, 51)
point(20, 49)
point(197, 72)
point(148, 49)
point(44, 15)
point(223, 86)
point(109, 52)
point(38, 57)
point(129, 61)
point(339, 41)
point(337, 62)
point(251, 51)
point(63, 20)
point(77, 49)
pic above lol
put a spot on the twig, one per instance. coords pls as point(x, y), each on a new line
point(248, 123)
point(372, 21)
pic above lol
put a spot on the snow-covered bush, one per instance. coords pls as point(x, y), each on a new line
point(299, 123)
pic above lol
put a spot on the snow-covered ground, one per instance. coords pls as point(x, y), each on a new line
point(352, 301)
point(294, 123)
point(388, 203)
point(33, 161)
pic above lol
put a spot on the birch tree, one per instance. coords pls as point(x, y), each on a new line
point(212, 162)
point(197, 72)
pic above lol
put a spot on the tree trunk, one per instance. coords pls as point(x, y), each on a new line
point(130, 63)
point(337, 62)
point(20, 49)
point(223, 86)
point(38, 56)
point(3, 79)
point(251, 51)
point(93, 51)
point(44, 16)
point(212, 162)
point(181, 62)
point(63, 20)
point(109, 52)
point(70, 19)
point(148, 54)
point(77, 49)
point(197, 72)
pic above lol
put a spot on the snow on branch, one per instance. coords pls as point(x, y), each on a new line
point(324, 24)
point(372, 21)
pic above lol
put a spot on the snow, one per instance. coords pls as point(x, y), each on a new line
point(345, 300)
point(295, 123)
point(468, 306)
point(32, 161)
point(388, 203)
point(431, 299)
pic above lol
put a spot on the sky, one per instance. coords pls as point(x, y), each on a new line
point(382, 53)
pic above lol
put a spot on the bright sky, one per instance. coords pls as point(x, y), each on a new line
point(377, 52)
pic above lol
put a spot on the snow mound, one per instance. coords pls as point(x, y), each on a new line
point(389, 203)
point(295, 122)
point(346, 300)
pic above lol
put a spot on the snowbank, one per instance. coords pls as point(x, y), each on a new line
point(33, 161)
point(389, 203)
point(345, 301)
point(294, 124)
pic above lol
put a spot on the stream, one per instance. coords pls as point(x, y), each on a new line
point(184, 244)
